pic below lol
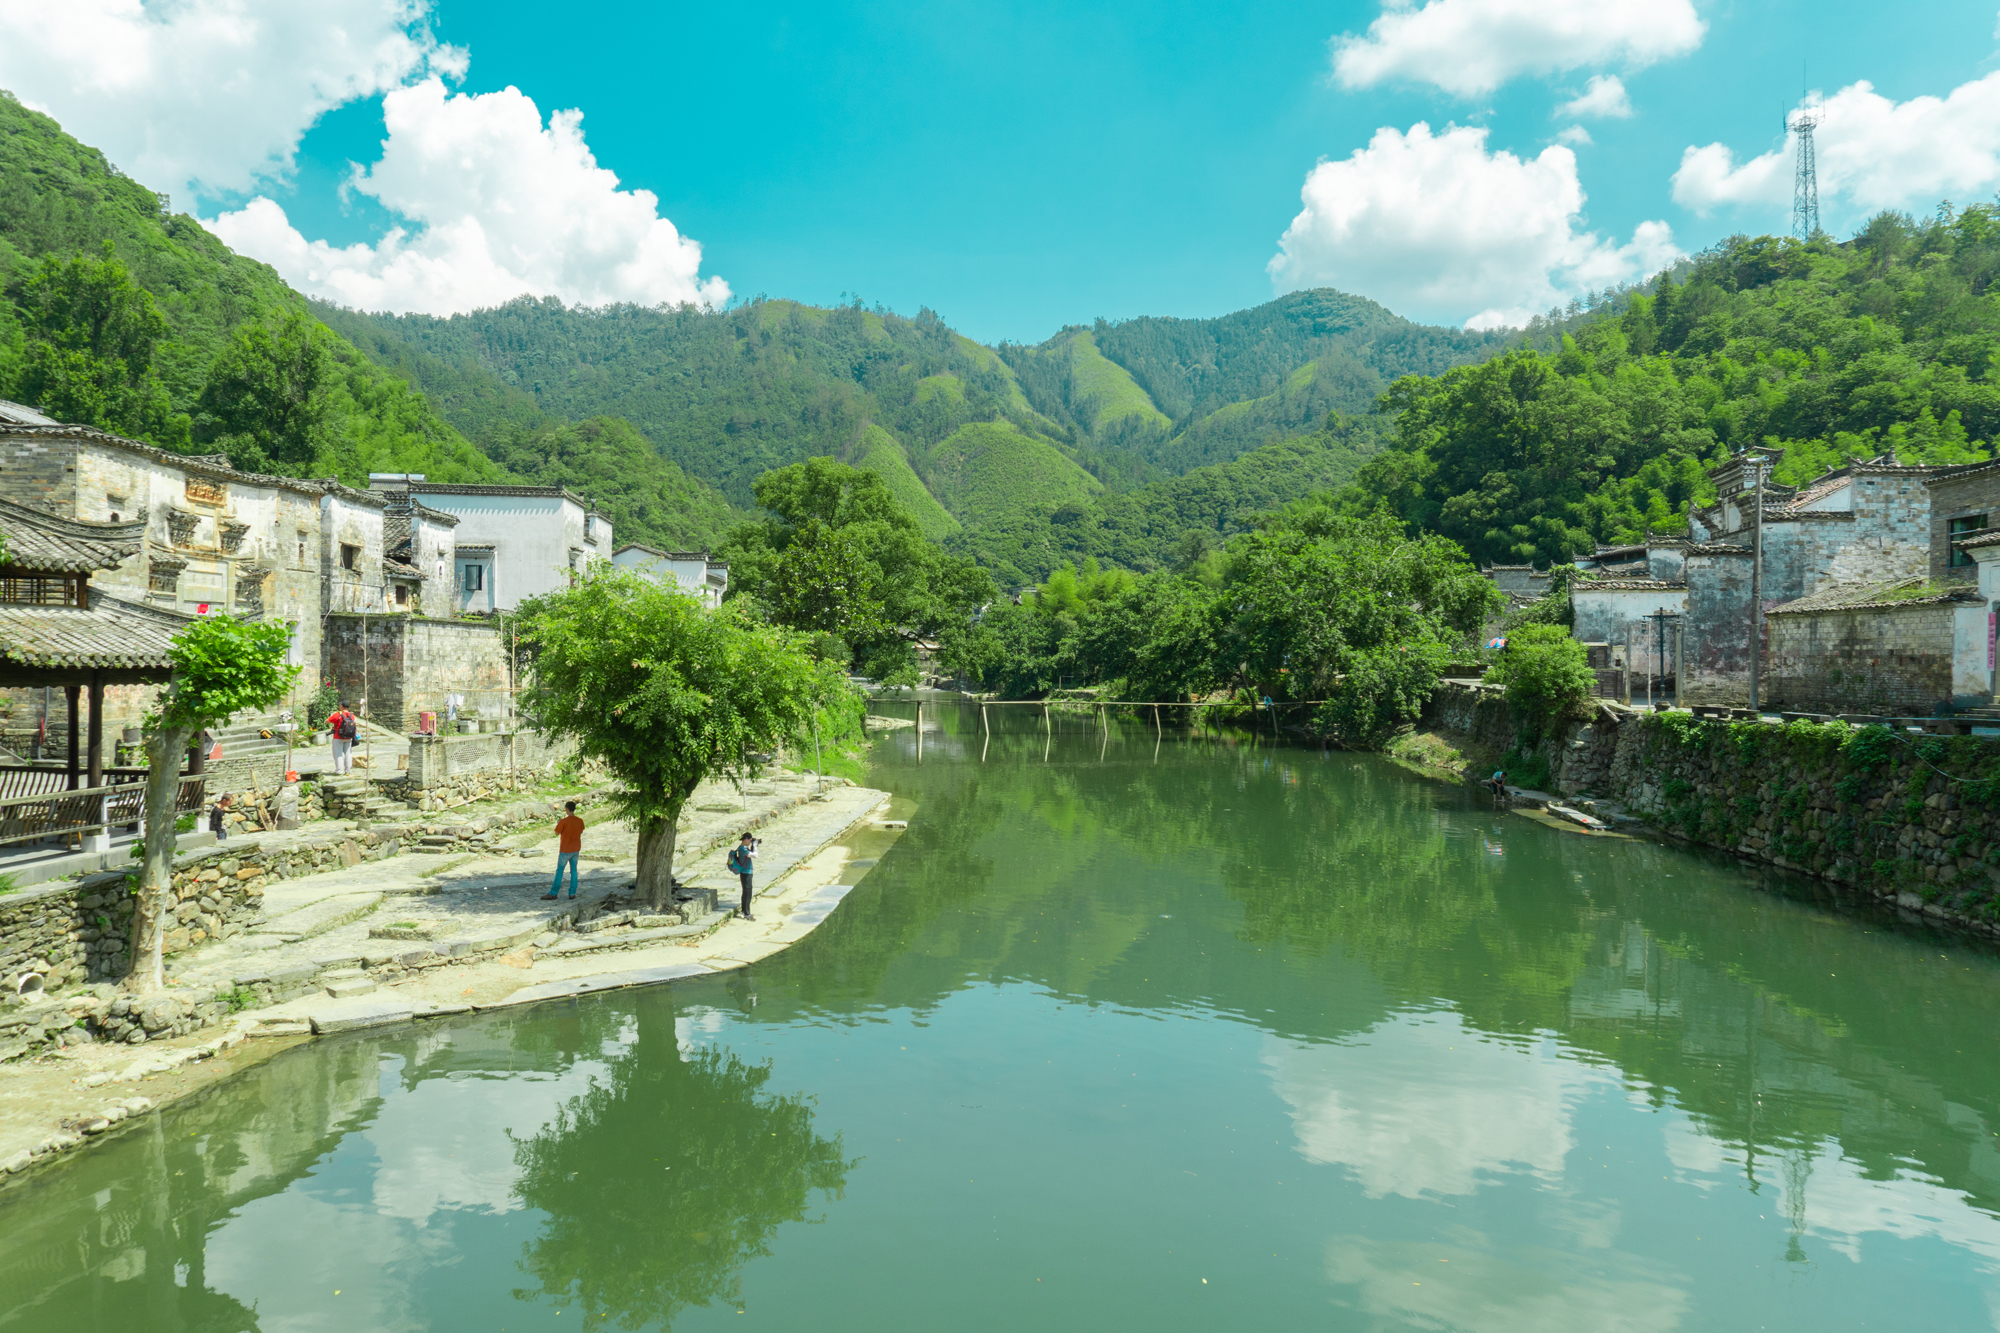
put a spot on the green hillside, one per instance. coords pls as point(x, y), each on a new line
point(879, 453)
point(61, 200)
point(1169, 522)
point(1831, 350)
point(1217, 388)
point(992, 470)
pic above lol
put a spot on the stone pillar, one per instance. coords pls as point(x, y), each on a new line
point(98, 840)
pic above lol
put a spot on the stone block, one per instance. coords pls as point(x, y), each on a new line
point(361, 1012)
point(346, 986)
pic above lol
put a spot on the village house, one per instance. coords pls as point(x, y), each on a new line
point(511, 542)
point(697, 575)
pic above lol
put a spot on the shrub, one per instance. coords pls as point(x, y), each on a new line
point(1545, 674)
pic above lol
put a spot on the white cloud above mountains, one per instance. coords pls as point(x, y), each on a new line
point(212, 97)
point(1603, 97)
point(1471, 47)
point(506, 206)
point(1873, 153)
point(209, 94)
point(1438, 228)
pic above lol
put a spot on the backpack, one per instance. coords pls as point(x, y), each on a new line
point(343, 728)
point(738, 862)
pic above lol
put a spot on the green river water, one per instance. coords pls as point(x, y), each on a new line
point(1225, 1036)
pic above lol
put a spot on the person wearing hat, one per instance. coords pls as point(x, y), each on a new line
point(743, 860)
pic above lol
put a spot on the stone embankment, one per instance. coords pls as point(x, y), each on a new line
point(1910, 819)
point(424, 931)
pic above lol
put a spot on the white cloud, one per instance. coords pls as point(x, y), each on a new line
point(1428, 1107)
point(1435, 227)
point(506, 205)
point(1873, 153)
point(208, 93)
point(1481, 1286)
point(1603, 96)
point(1576, 136)
point(1473, 46)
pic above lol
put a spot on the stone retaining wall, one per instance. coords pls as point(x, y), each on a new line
point(1910, 819)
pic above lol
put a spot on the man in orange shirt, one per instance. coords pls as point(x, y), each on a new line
point(569, 844)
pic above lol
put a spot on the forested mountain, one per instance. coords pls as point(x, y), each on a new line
point(1888, 343)
point(116, 311)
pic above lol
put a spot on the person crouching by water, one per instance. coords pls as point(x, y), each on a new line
point(569, 846)
point(743, 860)
point(218, 814)
point(1497, 784)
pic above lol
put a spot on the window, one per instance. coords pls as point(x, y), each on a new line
point(43, 589)
point(475, 578)
point(402, 594)
point(1959, 527)
point(302, 548)
point(350, 556)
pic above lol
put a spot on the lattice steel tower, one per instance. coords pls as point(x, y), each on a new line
point(1805, 184)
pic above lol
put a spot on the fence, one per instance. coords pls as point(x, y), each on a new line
point(64, 814)
point(42, 779)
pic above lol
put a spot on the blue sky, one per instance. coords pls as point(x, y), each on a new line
point(1019, 167)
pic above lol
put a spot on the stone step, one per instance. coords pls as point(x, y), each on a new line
point(347, 986)
point(320, 917)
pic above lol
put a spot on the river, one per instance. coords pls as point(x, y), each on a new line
point(1190, 1034)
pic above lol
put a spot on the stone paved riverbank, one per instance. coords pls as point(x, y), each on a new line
point(427, 935)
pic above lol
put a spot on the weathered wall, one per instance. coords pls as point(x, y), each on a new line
point(1891, 661)
point(1716, 627)
point(1862, 806)
point(450, 769)
point(1966, 495)
point(1618, 616)
point(405, 664)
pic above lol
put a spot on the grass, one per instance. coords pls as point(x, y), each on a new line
point(1103, 391)
point(991, 470)
point(884, 457)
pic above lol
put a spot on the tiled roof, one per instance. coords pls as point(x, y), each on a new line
point(656, 551)
point(1914, 591)
point(43, 541)
point(13, 414)
point(1718, 548)
point(1819, 490)
point(529, 492)
point(1626, 585)
point(1982, 538)
point(111, 634)
point(398, 569)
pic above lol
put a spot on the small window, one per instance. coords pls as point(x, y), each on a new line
point(350, 556)
point(302, 548)
point(1959, 527)
point(402, 594)
point(475, 578)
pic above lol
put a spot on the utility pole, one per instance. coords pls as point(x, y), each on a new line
point(1755, 464)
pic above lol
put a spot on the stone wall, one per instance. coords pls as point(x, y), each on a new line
point(1863, 806)
point(1715, 631)
point(1889, 661)
point(404, 665)
point(444, 765)
point(1973, 493)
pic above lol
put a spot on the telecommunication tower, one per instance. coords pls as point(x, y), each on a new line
point(1805, 183)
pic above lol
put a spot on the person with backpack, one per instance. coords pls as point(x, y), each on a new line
point(743, 860)
point(345, 727)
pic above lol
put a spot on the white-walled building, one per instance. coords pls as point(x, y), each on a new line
point(510, 542)
point(697, 575)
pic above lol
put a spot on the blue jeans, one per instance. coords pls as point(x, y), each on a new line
point(564, 859)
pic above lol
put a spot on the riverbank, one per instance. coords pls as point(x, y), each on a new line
point(394, 942)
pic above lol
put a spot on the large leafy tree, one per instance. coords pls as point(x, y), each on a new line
point(91, 337)
point(839, 555)
point(269, 395)
point(221, 667)
point(666, 694)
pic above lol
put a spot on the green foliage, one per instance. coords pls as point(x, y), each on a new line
point(1832, 351)
point(1545, 675)
point(1527, 766)
point(115, 311)
point(881, 454)
point(648, 499)
point(661, 691)
point(223, 666)
point(238, 998)
point(840, 557)
point(267, 398)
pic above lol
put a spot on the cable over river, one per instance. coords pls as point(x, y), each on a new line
point(1219, 1036)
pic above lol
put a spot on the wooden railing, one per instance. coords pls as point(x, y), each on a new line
point(66, 814)
point(18, 780)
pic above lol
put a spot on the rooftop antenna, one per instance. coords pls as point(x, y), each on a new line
point(1805, 181)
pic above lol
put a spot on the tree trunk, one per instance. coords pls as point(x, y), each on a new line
point(164, 751)
point(656, 861)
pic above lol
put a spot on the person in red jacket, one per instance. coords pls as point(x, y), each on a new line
point(345, 727)
point(569, 845)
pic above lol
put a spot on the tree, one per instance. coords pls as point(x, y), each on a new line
point(666, 694)
point(221, 666)
point(91, 336)
point(1546, 674)
point(268, 395)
